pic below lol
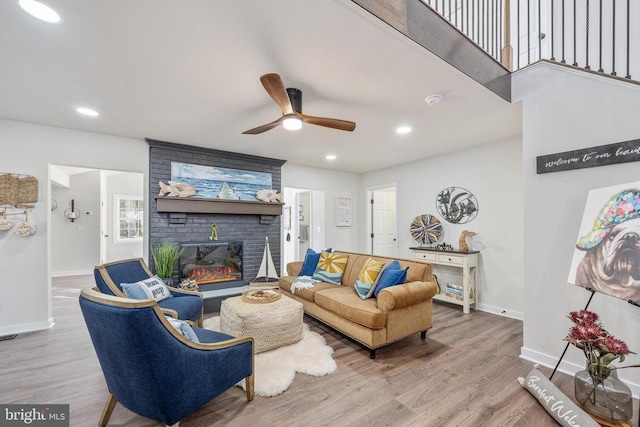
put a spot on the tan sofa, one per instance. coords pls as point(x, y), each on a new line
point(398, 312)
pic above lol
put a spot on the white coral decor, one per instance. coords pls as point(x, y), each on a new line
point(6, 224)
point(25, 229)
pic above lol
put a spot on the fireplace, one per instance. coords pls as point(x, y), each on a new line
point(212, 263)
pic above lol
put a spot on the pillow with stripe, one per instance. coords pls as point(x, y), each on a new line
point(331, 267)
point(368, 277)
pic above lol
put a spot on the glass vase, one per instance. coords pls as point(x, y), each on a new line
point(604, 395)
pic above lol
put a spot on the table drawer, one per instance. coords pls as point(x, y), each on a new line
point(450, 259)
point(425, 256)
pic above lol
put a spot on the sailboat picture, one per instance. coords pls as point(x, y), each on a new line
point(267, 274)
point(221, 183)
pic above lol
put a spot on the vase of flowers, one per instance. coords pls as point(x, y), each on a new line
point(597, 388)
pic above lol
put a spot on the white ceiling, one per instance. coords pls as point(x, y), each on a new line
point(188, 72)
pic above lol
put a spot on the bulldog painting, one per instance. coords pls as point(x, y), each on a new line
point(611, 262)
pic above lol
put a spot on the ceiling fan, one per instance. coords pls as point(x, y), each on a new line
point(290, 102)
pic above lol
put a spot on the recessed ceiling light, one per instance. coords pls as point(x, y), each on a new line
point(87, 112)
point(433, 99)
point(41, 11)
point(331, 157)
point(403, 129)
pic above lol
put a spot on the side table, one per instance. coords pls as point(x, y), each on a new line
point(467, 261)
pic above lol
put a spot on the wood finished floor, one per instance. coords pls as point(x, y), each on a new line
point(463, 374)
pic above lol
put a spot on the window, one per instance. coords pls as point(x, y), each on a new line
point(129, 214)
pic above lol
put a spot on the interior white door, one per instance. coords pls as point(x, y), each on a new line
point(384, 233)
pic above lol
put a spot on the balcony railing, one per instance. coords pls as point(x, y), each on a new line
point(598, 35)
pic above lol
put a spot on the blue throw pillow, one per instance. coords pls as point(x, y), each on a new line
point(184, 328)
point(310, 262)
point(390, 277)
point(134, 291)
point(151, 288)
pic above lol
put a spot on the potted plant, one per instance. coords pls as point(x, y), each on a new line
point(165, 257)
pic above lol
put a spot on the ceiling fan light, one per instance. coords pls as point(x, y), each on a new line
point(291, 122)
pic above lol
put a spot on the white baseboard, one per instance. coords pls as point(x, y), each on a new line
point(26, 327)
point(500, 311)
point(71, 273)
point(565, 367)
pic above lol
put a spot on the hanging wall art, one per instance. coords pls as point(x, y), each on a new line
point(426, 229)
point(457, 205)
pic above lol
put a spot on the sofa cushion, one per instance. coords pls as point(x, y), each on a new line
point(366, 282)
point(390, 277)
point(310, 262)
point(285, 283)
point(331, 267)
point(348, 305)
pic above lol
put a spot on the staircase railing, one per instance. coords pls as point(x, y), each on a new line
point(598, 35)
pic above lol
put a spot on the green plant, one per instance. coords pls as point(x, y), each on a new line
point(165, 257)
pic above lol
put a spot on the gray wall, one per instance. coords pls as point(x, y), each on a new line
point(30, 149)
point(75, 246)
point(492, 172)
point(566, 110)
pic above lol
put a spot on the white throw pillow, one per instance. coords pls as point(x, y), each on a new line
point(155, 288)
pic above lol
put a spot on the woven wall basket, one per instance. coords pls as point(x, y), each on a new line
point(16, 190)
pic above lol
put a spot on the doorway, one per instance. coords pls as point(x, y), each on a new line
point(303, 223)
point(382, 223)
point(96, 217)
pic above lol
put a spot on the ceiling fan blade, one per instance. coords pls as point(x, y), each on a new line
point(327, 122)
point(275, 88)
point(264, 128)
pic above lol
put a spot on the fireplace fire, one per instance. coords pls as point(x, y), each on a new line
point(212, 262)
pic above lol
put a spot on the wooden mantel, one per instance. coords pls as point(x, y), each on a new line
point(217, 206)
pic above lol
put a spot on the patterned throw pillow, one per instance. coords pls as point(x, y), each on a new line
point(153, 288)
point(331, 267)
point(366, 281)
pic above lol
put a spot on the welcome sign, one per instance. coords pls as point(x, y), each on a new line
point(621, 152)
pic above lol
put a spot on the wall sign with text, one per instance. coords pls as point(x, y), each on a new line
point(611, 154)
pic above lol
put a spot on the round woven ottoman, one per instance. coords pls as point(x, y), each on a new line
point(271, 325)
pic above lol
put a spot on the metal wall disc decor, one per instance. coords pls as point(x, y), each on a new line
point(457, 205)
point(426, 229)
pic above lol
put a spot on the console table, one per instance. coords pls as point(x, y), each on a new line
point(467, 261)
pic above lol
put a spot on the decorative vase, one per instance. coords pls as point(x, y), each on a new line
point(601, 393)
point(167, 281)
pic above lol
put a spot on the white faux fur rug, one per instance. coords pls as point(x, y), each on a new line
point(276, 369)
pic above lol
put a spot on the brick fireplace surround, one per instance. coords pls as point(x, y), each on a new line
point(190, 227)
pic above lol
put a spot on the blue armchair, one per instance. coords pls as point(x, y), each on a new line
point(187, 305)
point(151, 369)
